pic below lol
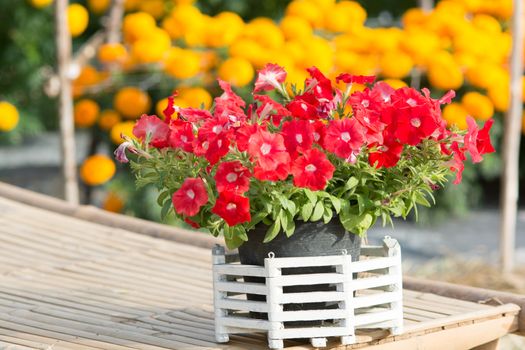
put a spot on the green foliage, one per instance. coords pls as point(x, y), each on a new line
point(27, 49)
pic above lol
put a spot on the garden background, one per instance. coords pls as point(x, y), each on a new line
point(170, 45)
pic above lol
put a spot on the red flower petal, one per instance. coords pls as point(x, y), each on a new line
point(312, 170)
point(233, 208)
point(154, 128)
point(232, 176)
point(190, 197)
point(269, 78)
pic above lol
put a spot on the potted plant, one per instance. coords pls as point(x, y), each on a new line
point(301, 170)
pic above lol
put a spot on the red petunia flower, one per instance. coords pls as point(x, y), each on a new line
point(387, 154)
point(243, 134)
point(268, 149)
point(358, 79)
point(170, 109)
point(344, 137)
point(154, 128)
point(190, 197)
point(457, 163)
point(181, 135)
point(320, 85)
point(319, 131)
point(269, 78)
point(194, 114)
point(233, 208)
point(280, 173)
point(312, 170)
point(212, 148)
point(269, 109)
point(232, 176)
point(477, 142)
point(302, 109)
point(298, 136)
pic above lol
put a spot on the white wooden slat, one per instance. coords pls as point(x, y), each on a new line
point(291, 333)
point(376, 299)
point(240, 270)
point(309, 279)
point(373, 282)
point(245, 322)
point(243, 305)
point(311, 297)
point(242, 287)
point(310, 315)
point(332, 260)
point(367, 318)
point(374, 264)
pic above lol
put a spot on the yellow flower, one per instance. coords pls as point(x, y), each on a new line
point(97, 169)
point(307, 10)
point(162, 104)
point(477, 105)
point(295, 76)
point(89, 76)
point(320, 54)
point(420, 45)
point(443, 72)
point(265, 32)
point(344, 16)
point(485, 74)
point(153, 7)
point(224, 29)
point(395, 64)
point(98, 6)
point(346, 61)
point(152, 47)
point(196, 97)
point(487, 23)
point(132, 102)
point(250, 50)
point(294, 27)
point(122, 128)
point(414, 17)
point(137, 25)
point(237, 71)
point(8, 116)
point(395, 83)
point(182, 63)
point(131, 5)
point(107, 119)
point(86, 113)
point(77, 18)
point(113, 203)
point(40, 3)
point(500, 96)
point(112, 53)
point(455, 114)
point(188, 23)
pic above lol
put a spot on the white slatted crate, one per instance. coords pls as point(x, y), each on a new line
point(355, 295)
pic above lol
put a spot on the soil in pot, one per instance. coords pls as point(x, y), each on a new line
point(309, 239)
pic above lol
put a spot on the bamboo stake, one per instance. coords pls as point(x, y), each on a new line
point(511, 145)
point(115, 21)
point(67, 129)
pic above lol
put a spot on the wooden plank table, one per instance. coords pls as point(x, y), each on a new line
point(66, 283)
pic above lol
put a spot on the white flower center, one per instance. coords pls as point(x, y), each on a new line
point(345, 136)
point(310, 168)
point(299, 138)
point(205, 145)
point(316, 136)
point(184, 138)
point(382, 148)
point(367, 120)
point(318, 89)
point(217, 129)
point(265, 148)
point(304, 106)
point(190, 194)
point(365, 103)
point(231, 177)
point(411, 102)
point(415, 122)
point(231, 206)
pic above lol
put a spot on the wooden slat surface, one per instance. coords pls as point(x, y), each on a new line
point(69, 284)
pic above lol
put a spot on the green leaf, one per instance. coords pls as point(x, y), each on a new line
point(166, 208)
point(312, 197)
point(351, 183)
point(306, 211)
point(327, 215)
point(162, 197)
point(318, 212)
point(256, 219)
point(273, 230)
point(289, 228)
point(420, 199)
point(336, 203)
point(233, 242)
